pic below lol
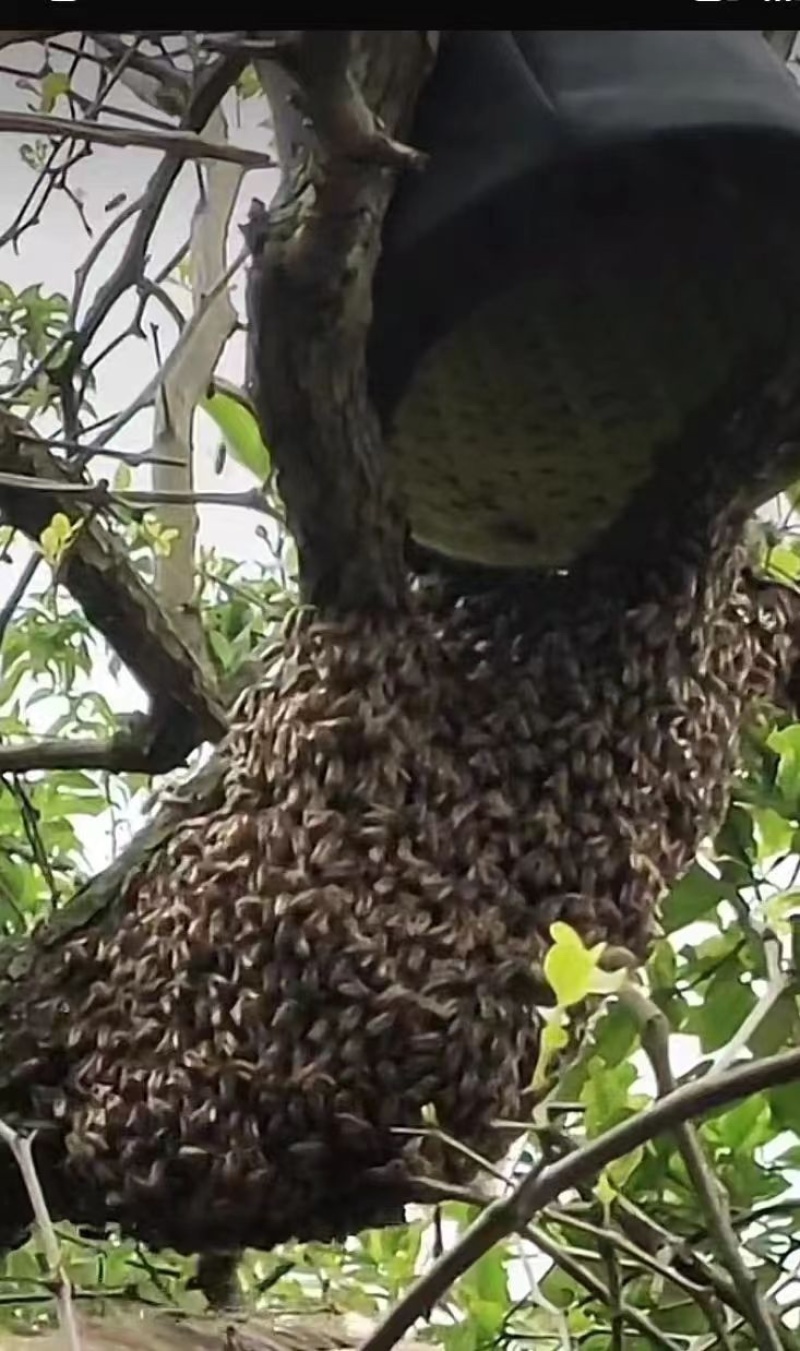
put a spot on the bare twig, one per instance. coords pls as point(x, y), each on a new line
point(564, 1218)
point(82, 272)
point(162, 85)
point(585, 1277)
point(21, 1148)
point(47, 179)
point(17, 593)
point(133, 458)
point(642, 1229)
point(30, 824)
point(450, 1141)
point(185, 144)
point(510, 1214)
point(100, 494)
point(151, 389)
point(211, 88)
point(655, 1041)
point(705, 1298)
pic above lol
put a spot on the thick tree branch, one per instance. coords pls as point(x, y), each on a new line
point(114, 598)
point(309, 305)
point(139, 746)
point(194, 360)
point(782, 41)
point(342, 123)
point(100, 899)
point(122, 1329)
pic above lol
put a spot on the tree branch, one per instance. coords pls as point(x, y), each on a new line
point(211, 89)
point(9, 37)
point(114, 599)
point(309, 306)
point(181, 143)
point(21, 1148)
point(137, 747)
point(585, 1277)
point(99, 494)
point(512, 1213)
point(655, 1041)
point(193, 361)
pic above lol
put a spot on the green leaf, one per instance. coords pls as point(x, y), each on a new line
point(56, 537)
point(785, 742)
point(779, 1030)
point(743, 1127)
point(463, 1337)
point(773, 833)
point(248, 84)
point(735, 841)
point(695, 897)
point(607, 1097)
point(616, 1035)
point(553, 1039)
point(611, 1181)
point(221, 648)
point(569, 967)
point(620, 1170)
point(231, 412)
point(483, 1292)
point(54, 85)
point(573, 971)
point(123, 478)
point(785, 1107)
point(662, 967)
point(726, 1004)
point(783, 563)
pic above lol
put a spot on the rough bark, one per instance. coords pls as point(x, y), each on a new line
point(309, 306)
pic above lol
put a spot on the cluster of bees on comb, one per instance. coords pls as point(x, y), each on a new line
point(354, 933)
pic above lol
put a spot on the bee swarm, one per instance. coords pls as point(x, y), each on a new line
point(357, 931)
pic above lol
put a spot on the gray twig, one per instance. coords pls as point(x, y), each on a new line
point(539, 1187)
point(186, 144)
point(21, 1147)
point(655, 1041)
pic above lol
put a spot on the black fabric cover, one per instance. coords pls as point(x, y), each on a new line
point(515, 120)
